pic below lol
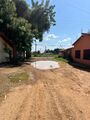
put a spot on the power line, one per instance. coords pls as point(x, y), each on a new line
point(77, 7)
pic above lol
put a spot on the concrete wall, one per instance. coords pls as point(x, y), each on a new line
point(83, 43)
point(4, 57)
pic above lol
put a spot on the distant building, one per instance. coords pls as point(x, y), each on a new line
point(68, 53)
point(81, 50)
point(7, 49)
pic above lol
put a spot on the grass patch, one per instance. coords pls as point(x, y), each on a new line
point(19, 77)
point(61, 59)
point(43, 55)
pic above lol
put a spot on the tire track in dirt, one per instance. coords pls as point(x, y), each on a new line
point(27, 109)
point(50, 98)
point(67, 98)
point(59, 107)
point(71, 111)
point(67, 106)
point(11, 105)
point(46, 110)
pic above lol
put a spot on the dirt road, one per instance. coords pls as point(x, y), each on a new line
point(61, 94)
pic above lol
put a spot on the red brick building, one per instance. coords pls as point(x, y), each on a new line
point(81, 50)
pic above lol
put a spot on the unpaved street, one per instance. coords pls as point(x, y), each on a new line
point(60, 94)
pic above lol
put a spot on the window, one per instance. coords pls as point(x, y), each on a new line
point(86, 54)
point(77, 54)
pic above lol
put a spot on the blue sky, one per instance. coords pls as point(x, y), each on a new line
point(72, 18)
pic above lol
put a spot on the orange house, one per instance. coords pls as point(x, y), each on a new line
point(81, 50)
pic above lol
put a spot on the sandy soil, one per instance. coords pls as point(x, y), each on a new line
point(61, 94)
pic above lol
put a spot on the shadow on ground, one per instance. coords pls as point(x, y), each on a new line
point(80, 66)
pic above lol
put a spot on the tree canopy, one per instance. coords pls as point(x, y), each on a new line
point(21, 22)
point(42, 17)
point(7, 13)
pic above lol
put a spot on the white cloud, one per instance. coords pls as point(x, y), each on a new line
point(64, 41)
point(50, 37)
point(56, 43)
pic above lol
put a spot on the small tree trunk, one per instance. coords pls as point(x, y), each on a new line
point(28, 54)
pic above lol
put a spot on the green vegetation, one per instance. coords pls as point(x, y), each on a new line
point(23, 24)
point(42, 55)
point(19, 77)
point(47, 53)
point(52, 55)
point(14, 79)
point(61, 59)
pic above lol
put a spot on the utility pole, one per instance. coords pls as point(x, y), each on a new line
point(35, 47)
point(45, 48)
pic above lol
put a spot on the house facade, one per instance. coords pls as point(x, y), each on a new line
point(68, 53)
point(81, 50)
point(6, 49)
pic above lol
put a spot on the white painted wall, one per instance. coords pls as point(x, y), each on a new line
point(3, 54)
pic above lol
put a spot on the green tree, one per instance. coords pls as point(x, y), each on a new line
point(22, 8)
point(22, 23)
point(23, 35)
point(56, 51)
point(17, 28)
point(7, 13)
point(42, 17)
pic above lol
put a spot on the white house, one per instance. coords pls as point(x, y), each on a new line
point(6, 49)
